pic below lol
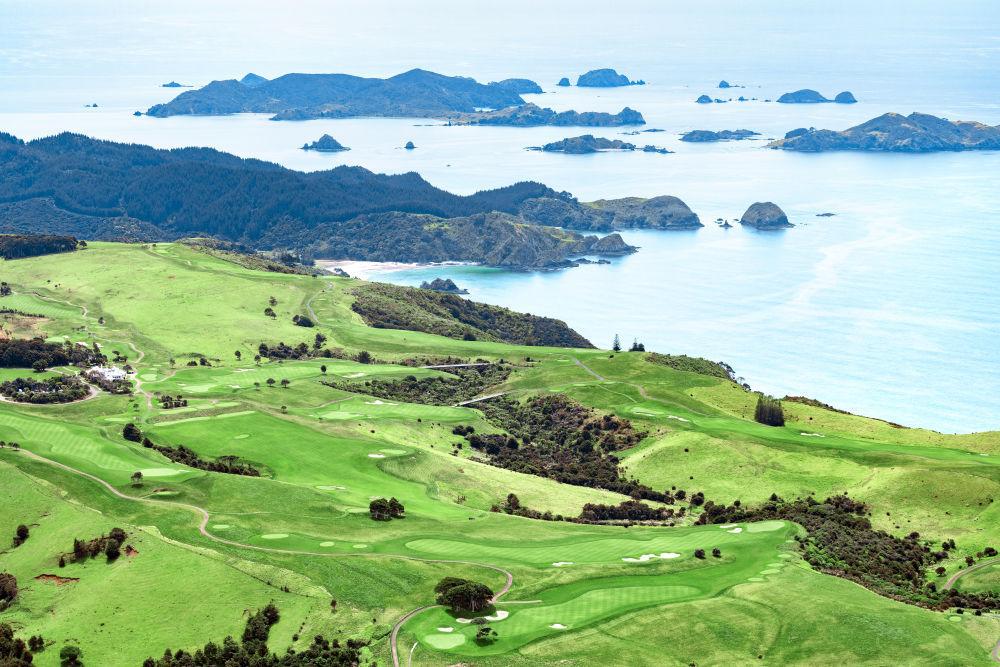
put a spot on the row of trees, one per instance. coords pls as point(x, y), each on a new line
point(381, 509)
point(25, 352)
point(460, 385)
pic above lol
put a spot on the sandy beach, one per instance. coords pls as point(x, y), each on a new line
point(364, 270)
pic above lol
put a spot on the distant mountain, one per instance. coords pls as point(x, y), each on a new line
point(916, 133)
point(101, 190)
point(414, 94)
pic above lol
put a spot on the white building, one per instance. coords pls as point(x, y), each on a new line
point(113, 373)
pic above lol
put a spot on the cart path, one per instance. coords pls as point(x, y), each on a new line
point(204, 523)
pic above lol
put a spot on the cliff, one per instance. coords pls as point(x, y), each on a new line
point(916, 133)
point(446, 285)
point(765, 216)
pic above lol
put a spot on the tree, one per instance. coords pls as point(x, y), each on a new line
point(318, 342)
point(364, 357)
point(40, 365)
point(20, 535)
point(137, 478)
point(112, 550)
point(463, 594)
point(322, 369)
point(717, 552)
point(272, 301)
point(486, 635)
point(379, 509)
point(70, 655)
point(238, 354)
point(396, 509)
point(270, 382)
point(285, 383)
point(768, 411)
point(8, 588)
point(699, 553)
point(131, 432)
point(256, 359)
point(617, 345)
point(79, 550)
point(62, 561)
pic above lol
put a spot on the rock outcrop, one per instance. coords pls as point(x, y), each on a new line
point(724, 84)
point(612, 244)
point(518, 86)
point(326, 144)
point(605, 78)
point(704, 99)
point(916, 133)
point(664, 212)
point(563, 82)
point(532, 115)
point(443, 285)
point(804, 96)
point(765, 215)
point(845, 98)
point(587, 143)
point(409, 146)
point(722, 135)
point(172, 84)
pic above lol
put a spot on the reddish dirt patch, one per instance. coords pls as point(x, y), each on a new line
point(131, 552)
point(59, 581)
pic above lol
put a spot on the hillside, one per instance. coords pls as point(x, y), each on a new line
point(526, 493)
point(916, 133)
point(100, 190)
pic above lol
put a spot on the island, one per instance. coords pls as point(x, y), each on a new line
point(518, 86)
point(893, 132)
point(809, 96)
point(605, 78)
point(325, 144)
point(765, 216)
point(588, 143)
point(409, 146)
point(704, 99)
point(724, 84)
point(563, 82)
point(174, 84)
point(699, 136)
point(443, 285)
point(414, 94)
point(532, 115)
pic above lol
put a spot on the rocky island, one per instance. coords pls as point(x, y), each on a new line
point(326, 144)
point(443, 285)
point(414, 94)
point(916, 133)
point(699, 136)
point(563, 83)
point(605, 78)
point(765, 216)
point(174, 84)
point(808, 96)
point(588, 143)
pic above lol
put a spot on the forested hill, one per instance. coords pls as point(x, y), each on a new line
point(92, 189)
point(417, 93)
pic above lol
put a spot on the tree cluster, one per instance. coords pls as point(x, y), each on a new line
point(16, 246)
point(56, 389)
point(110, 545)
point(385, 306)
point(682, 362)
point(464, 384)
point(252, 650)
point(21, 534)
point(841, 541)
point(8, 589)
point(768, 411)
point(553, 436)
point(24, 353)
point(13, 651)
point(463, 594)
point(168, 402)
point(381, 509)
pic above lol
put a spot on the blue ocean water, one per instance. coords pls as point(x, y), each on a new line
point(889, 308)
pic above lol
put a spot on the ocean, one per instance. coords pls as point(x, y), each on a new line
point(889, 308)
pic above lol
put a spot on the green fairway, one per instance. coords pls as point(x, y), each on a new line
point(583, 593)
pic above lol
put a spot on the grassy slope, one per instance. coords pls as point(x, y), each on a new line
point(171, 301)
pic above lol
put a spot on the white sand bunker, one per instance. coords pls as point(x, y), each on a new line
point(331, 487)
point(735, 530)
point(463, 620)
point(376, 456)
point(728, 525)
point(446, 629)
point(645, 557)
point(562, 563)
point(500, 615)
point(557, 626)
point(815, 435)
point(326, 544)
point(241, 436)
point(242, 370)
point(355, 375)
point(378, 402)
point(680, 419)
point(274, 536)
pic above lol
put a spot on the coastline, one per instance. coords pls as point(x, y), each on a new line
point(363, 270)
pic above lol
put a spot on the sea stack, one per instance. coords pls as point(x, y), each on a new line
point(409, 146)
point(704, 99)
point(765, 215)
point(845, 98)
point(564, 82)
point(326, 143)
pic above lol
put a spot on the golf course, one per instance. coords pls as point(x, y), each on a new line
point(245, 462)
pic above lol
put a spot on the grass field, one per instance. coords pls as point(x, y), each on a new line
point(324, 454)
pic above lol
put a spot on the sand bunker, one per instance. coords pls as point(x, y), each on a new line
point(331, 487)
point(729, 525)
point(242, 370)
point(463, 620)
point(376, 456)
point(233, 386)
point(680, 419)
point(274, 536)
point(241, 436)
point(446, 629)
point(378, 402)
point(735, 530)
point(557, 626)
point(645, 557)
point(355, 375)
point(815, 435)
point(562, 562)
point(500, 615)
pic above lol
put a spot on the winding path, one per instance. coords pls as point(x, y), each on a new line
point(203, 529)
point(954, 577)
